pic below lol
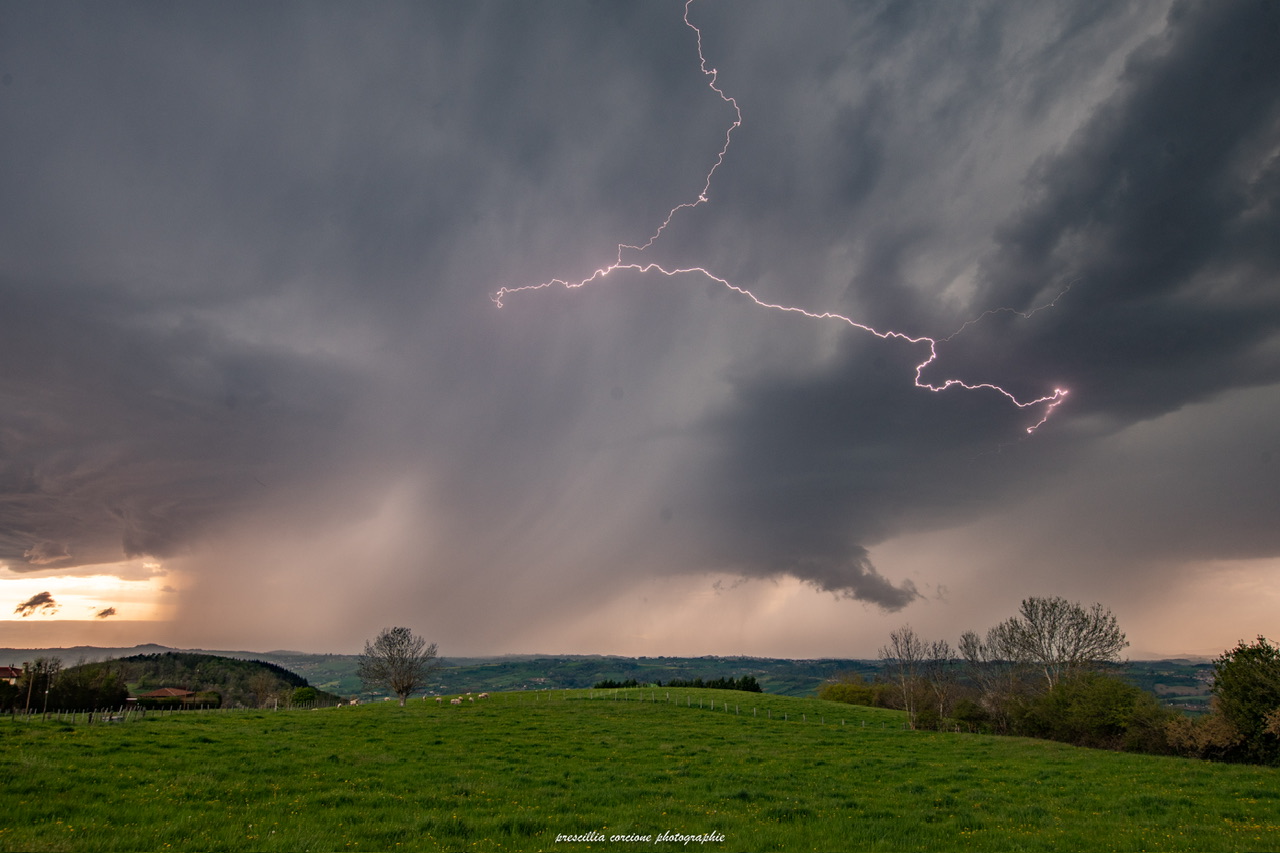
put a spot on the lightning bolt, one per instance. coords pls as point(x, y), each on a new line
point(1050, 402)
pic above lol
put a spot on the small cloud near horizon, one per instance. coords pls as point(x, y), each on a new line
point(40, 602)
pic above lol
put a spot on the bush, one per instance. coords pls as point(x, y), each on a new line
point(304, 696)
point(1210, 737)
point(204, 699)
point(747, 683)
point(10, 696)
point(928, 719)
point(88, 687)
point(971, 715)
point(1091, 709)
point(855, 690)
point(1246, 686)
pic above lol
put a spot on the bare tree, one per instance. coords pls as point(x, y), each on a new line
point(904, 659)
point(262, 685)
point(990, 663)
point(939, 673)
point(1060, 637)
point(990, 660)
point(398, 661)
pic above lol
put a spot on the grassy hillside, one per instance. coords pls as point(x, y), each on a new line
point(248, 683)
point(1179, 684)
point(514, 771)
point(336, 673)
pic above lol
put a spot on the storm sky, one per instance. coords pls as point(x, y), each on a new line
point(249, 357)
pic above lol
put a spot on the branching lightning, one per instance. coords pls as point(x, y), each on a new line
point(1050, 402)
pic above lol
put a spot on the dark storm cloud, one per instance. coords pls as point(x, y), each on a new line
point(247, 249)
point(105, 613)
point(1164, 209)
point(1160, 214)
point(126, 435)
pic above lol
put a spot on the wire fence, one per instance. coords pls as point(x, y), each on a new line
point(688, 700)
point(133, 712)
point(652, 696)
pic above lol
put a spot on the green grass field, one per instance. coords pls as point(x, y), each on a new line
point(514, 771)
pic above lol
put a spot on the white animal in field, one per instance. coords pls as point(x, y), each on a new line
point(471, 698)
point(439, 700)
point(484, 695)
point(455, 701)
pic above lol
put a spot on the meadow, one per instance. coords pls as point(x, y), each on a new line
point(517, 770)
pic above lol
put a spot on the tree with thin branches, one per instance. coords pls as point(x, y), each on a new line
point(939, 673)
point(990, 664)
point(904, 658)
point(1061, 637)
point(398, 661)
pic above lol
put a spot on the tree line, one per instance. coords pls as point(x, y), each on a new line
point(1048, 672)
point(747, 683)
point(45, 686)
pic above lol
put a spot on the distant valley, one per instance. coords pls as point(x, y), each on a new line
point(1182, 683)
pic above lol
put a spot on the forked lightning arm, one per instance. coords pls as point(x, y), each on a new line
point(1050, 401)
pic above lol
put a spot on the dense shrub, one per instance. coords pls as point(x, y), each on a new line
point(10, 696)
point(88, 687)
point(970, 714)
point(855, 690)
point(1210, 737)
point(1092, 709)
point(746, 682)
point(928, 719)
point(1246, 687)
point(205, 699)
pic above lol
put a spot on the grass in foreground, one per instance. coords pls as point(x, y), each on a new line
point(514, 771)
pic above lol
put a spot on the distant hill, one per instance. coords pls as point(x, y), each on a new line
point(1181, 683)
point(240, 682)
point(79, 654)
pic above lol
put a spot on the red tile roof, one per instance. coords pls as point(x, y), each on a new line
point(166, 692)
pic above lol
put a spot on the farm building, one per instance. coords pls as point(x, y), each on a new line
point(167, 693)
